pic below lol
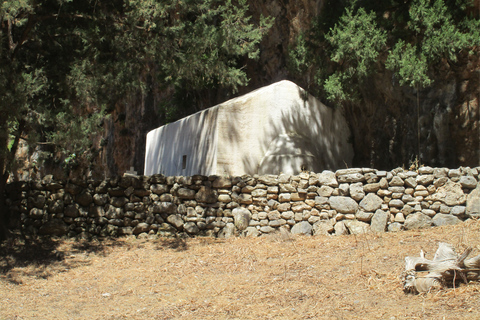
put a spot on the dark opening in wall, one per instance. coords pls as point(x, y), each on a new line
point(184, 162)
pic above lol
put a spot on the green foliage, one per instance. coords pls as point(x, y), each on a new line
point(407, 37)
point(63, 62)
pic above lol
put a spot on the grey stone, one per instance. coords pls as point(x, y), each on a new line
point(184, 193)
point(425, 170)
point(410, 182)
point(357, 227)
point(322, 227)
point(206, 195)
point(175, 220)
point(451, 194)
point(159, 188)
point(303, 227)
point(349, 178)
point(468, 182)
point(473, 203)
point(84, 199)
point(363, 216)
point(441, 219)
point(340, 228)
point(425, 179)
point(325, 191)
point(191, 227)
point(328, 178)
point(269, 180)
point(395, 227)
point(251, 232)
point(458, 210)
point(396, 182)
point(371, 187)
point(259, 193)
point(100, 199)
point(118, 201)
point(356, 191)
point(72, 211)
point(396, 203)
point(241, 218)
point(429, 212)
point(343, 204)
point(228, 231)
point(379, 221)
point(417, 221)
point(267, 229)
point(370, 203)
point(222, 182)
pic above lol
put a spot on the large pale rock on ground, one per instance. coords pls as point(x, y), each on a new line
point(303, 227)
point(241, 217)
point(379, 221)
point(473, 203)
point(357, 227)
point(417, 221)
point(441, 219)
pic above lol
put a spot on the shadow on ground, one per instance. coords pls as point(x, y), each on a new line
point(44, 257)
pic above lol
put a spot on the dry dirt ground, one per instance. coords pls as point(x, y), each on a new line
point(272, 277)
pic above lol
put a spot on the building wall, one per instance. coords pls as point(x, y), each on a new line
point(275, 129)
point(185, 147)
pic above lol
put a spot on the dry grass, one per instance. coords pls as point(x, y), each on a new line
point(274, 277)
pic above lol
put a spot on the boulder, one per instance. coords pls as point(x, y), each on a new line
point(175, 220)
point(371, 202)
point(417, 221)
point(323, 227)
point(206, 195)
point(473, 203)
point(441, 219)
point(379, 221)
point(357, 227)
point(241, 218)
point(303, 227)
point(343, 204)
point(451, 194)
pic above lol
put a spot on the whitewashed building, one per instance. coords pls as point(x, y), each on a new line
point(275, 129)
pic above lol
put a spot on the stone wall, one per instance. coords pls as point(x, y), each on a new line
point(341, 202)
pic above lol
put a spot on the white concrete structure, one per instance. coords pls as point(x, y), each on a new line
point(275, 129)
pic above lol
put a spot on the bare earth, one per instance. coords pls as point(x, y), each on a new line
point(273, 277)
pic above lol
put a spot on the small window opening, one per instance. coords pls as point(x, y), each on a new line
point(184, 162)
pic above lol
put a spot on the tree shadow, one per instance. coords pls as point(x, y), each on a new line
point(45, 257)
point(177, 244)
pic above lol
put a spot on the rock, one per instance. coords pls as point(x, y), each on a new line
point(340, 228)
point(396, 203)
point(363, 216)
point(303, 227)
point(417, 221)
point(175, 220)
point(357, 227)
point(379, 221)
point(140, 228)
point(164, 207)
point(241, 217)
point(468, 182)
point(159, 188)
point(328, 178)
point(344, 204)
point(84, 199)
point(425, 170)
point(441, 219)
point(245, 198)
point(55, 227)
point(451, 194)
point(251, 232)
point(473, 203)
point(395, 227)
point(356, 191)
point(184, 193)
point(206, 195)
point(269, 180)
point(371, 203)
point(410, 182)
point(371, 187)
point(118, 201)
point(267, 229)
point(325, 191)
point(323, 227)
point(349, 178)
point(222, 182)
point(425, 179)
point(396, 182)
point(71, 211)
point(191, 227)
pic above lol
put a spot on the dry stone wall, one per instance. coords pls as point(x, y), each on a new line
point(347, 201)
